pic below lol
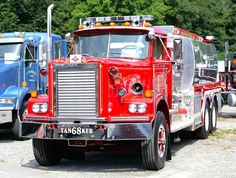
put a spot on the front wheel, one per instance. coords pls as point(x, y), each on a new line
point(48, 152)
point(154, 151)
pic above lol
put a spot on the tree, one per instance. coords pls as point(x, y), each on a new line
point(8, 18)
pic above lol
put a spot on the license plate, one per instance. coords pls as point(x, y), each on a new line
point(76, 130)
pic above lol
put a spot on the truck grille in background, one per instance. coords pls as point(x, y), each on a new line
point(76, 91)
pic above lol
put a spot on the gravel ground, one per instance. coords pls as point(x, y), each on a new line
point(213, 157)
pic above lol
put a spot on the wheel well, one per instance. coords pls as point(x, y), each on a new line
point(27, 96)
point(162, 106)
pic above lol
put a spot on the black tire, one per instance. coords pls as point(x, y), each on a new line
point(72, 153)
point(16, 122)
point(48, 152)
point(214, 116)
point(203, 132)
point(153, 154)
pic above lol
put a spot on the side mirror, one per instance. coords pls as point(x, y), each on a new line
point(68, 37)
point(178, 46)
point(151, 35)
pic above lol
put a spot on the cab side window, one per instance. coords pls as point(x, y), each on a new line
point(157, 52)
point(31, 52)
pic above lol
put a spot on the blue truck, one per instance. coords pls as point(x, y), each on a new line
point(23, 62)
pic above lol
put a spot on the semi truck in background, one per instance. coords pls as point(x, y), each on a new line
point(126, 83)
point(228, 79)
point(23, 68)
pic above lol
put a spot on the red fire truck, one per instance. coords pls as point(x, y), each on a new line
point(127, 83)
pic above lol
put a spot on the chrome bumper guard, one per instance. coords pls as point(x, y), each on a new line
point(77, 131)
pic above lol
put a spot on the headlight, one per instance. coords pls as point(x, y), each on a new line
point(137, 108)
point(132, 108)
point(7, 100)
point(44, 108)
point(3, 100)
point(142, 108)
point(40, 108)
point(35, 108)
point(137, 88)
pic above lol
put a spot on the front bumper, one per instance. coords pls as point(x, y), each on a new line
point(5, 116)
point(76, 131)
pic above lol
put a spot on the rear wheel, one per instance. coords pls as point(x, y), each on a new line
point(203, 132)
point(16, 122)
point(154, 151)
point(48, 152)
point(214, 115)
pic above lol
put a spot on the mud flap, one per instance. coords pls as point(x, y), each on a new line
point(168, 156)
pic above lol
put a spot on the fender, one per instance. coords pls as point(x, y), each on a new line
point(161, 105)
point(12, 92)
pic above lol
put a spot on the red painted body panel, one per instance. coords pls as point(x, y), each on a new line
point(154, 76)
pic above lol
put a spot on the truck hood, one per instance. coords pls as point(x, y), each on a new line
point(8, 75)
point(129, 62)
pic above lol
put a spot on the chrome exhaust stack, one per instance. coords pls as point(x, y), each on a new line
point(49, 32)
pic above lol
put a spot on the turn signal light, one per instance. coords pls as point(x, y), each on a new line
point(34, 94)
point(112, 24)
point(81, 27)
point(146, 24)
point(24, 84)
point(127, 24)
point(233, 62)
point(148, 93)
point(98, 24)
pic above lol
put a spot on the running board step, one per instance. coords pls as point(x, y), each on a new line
point(179, 125)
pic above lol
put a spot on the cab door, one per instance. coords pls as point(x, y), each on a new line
point(31, 65)
point(161, 70)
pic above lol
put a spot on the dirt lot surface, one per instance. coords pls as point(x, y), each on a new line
point(214, 157)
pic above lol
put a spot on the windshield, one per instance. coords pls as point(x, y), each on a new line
point(114, 45)
point(10, 51)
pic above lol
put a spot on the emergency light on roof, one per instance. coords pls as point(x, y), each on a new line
point(136, 21)
point(19, 34)
point(120, 18)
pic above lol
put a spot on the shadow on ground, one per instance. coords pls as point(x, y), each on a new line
point(6, 136)
point(105, 161)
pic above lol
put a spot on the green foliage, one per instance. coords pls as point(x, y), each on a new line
point(203, 17)
point(223, 133)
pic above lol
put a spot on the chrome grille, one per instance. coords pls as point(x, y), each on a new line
point(76, 91)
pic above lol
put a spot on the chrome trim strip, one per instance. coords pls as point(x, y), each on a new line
point(105, 132)
point(141, 118)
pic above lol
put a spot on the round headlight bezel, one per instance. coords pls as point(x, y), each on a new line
point(132, 108)
point(36, 108)
point(40, 107)
point(142, 108)
point(137, 88)
point(44, 108)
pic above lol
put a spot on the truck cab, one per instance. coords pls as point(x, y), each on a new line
point(23, 68)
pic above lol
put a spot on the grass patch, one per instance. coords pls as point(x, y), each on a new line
point(222, 133)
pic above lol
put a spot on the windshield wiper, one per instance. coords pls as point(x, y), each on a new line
point(88, 55)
